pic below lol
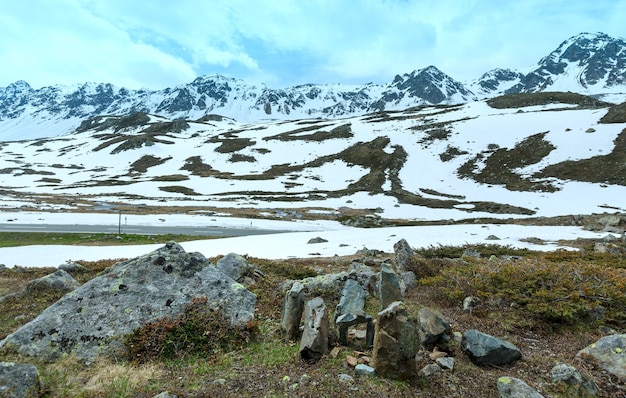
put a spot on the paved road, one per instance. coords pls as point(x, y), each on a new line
point(135, 229)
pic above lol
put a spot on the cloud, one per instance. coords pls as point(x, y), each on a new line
point(283, 42)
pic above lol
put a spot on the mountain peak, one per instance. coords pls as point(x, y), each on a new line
point(588, 63)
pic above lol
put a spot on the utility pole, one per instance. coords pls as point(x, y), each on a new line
point(119, 223)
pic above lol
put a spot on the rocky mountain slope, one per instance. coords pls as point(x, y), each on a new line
point(512, 156)
point(586, 63)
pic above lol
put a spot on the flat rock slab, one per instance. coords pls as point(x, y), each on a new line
point(93, 319)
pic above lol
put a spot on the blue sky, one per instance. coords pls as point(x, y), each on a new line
point(157, 43)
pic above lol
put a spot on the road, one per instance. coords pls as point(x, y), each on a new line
point(136, 229)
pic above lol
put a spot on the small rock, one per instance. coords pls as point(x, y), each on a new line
point(363, 370)
point(492, 237)
point(510, 387)
point(570, 375)
point(317, 240)
point(71, 266)
point(352, 361)
point(429, 370)
point(469, 303)
point(436, 354)
point(165, 394)
point(445, 363)
point(345, 378)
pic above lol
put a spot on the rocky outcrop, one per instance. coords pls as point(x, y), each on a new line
point(93, 319)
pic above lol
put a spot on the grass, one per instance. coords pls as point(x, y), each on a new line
point(12, 239)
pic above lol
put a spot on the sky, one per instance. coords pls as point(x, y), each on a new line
point(162, 43)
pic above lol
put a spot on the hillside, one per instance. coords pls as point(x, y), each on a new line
point(509, 157)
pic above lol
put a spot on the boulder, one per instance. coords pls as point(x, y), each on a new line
point(71, 266)
point(237, 268)
point(19, 380)
point(484, 349)
point(608, 353)
point(93, 319)
point(432, 327)
point(59, 281)
point(510, 387)
point(293, 306)
point(390, 290)
point(396, 342)
point(403, 254)
point(314, 343)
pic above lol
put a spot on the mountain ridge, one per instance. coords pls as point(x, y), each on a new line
point(592, 64)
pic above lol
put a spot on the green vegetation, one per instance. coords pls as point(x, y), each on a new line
point(179, 189)
point(500, 163)
point(609, 169)
point(521, 100)
point(142, 164)
point(616, 114)
point(12, 239)
point(555, 289)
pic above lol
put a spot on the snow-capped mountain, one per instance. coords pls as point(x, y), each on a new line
point(586, 63)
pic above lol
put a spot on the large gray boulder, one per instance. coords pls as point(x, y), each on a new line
point(18, 380)
point(93, 319)
point(608, 353)
point(484, 349)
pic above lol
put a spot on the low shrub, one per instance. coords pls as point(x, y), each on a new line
point(561, 292)
point(198, 331)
